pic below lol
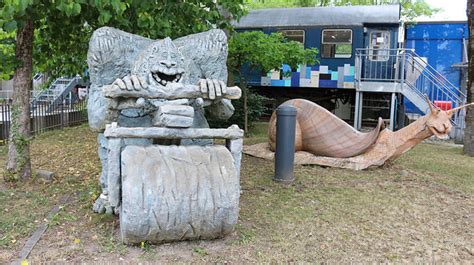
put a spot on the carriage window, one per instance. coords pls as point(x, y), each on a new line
point(296, 35)
point(379, 46)
point(336, 43)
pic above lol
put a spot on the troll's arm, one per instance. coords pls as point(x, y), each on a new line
point(205, 58)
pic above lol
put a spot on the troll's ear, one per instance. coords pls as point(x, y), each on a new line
point(432, 110)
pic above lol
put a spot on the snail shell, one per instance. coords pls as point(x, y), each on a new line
point(322, 133)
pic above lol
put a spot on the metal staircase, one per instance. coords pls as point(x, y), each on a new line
point(403, 71)
point(430, 82)
point(54, 94)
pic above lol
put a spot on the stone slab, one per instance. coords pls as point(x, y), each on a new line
point(169, 120)
point(172, 193)
point(181, 110)
point(45, 174)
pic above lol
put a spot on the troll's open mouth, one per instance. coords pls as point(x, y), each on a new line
point(164, 79)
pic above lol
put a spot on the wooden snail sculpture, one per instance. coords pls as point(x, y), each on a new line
point(335, 143)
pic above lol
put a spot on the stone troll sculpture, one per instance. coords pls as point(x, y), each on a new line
point(160, 172)
point(322, 138)
point(132, 63)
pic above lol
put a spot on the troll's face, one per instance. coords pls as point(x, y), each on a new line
point(161, 64)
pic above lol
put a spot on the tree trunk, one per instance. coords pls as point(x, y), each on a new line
point(18, 164)
point(469, 130)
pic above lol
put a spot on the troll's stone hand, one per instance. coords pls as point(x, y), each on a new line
point(131, 82)
point(213, 88)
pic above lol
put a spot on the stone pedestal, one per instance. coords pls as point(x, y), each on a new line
point(177, 192)
point(170, 193)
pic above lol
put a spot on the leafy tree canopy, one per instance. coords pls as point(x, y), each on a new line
point(63, 27)
point(261, 52)
point(266, 52)
point(7, 54)
point(54, 34)
point(410, 8)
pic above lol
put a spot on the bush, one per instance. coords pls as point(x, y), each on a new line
point(256, 107)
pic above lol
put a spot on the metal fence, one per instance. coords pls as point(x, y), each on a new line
point(404, 66)
point(415, 77)
point(70, 112)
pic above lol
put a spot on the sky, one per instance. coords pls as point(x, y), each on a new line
point(451, 10)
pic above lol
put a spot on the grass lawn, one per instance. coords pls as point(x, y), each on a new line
point(419, 209)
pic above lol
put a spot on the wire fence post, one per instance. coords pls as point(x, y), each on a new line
point(61, 116)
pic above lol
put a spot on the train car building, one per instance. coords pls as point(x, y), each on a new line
point(364, 69)
point(442, 44)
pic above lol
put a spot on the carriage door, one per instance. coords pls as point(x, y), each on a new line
point(381, 59)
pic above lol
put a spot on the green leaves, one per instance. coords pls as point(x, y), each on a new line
point(415, 8)
point(410, 8)
point(266, 52)
point(69, 8)
point(12, 14)
point(116, 5)
point(10, 26)
point(7, 55)
point(63, 27)
point(104, 17)
point(261, 52)
point(76, 9)
point(23, 4)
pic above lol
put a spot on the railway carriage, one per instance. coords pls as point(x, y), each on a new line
point(364, 71)
point(337, 32)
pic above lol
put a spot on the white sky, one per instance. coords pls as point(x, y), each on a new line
point(451, 10)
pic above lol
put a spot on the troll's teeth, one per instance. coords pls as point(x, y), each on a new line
point(157, 78)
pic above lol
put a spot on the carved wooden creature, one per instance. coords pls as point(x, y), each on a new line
point(388, 145)
point(320, 132)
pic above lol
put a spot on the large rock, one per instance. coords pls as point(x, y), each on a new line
point(178, 192)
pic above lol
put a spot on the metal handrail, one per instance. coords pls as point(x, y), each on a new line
point(411, 53)
point(451, 91)
point(447, 91)
point(428, 66)
point(440, 83)
point(52, 94)
point(437, 79)
point(425, 79)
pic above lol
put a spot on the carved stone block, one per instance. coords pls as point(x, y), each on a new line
point(174, 116)
point(178, 192)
